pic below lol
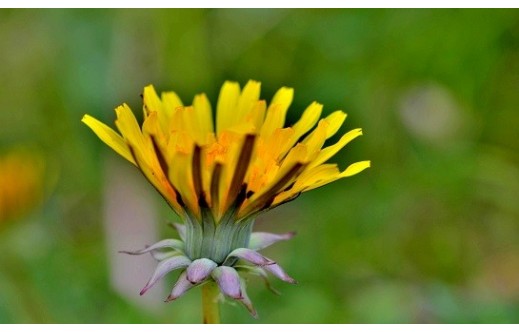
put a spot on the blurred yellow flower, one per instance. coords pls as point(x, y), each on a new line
point(21, 183)
point(248, 163)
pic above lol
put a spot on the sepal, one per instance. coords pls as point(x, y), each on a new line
point(181, 287)
point(165, 267)
point(262, 240)
point(228, 281)
point(250, 256)
point(199, 270)
point(168, 243)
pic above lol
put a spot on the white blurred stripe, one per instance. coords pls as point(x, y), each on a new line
point(130, 224)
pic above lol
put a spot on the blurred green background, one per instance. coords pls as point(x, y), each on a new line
point(429, 234)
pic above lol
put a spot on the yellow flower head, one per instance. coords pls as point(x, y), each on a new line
point(218, 178)
point(247, 162)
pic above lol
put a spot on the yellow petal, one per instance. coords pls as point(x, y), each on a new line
point(190, 123)
point(248, 99)
point(297, 155)
point(128, 127)
point(227, 102)
point(308, 178)
point(356, 168)
point(204, 116)
point(180, 174)
point(306, 122)
point(351, 170)
point(315, 175)
point(109, 137)
point(271, 147)
point(151, 126)
point(308, 119)
point(316, 139)
point(171, 101)
point(335, 120)
point(177, 122)
point(152, 102)
point(256, 115)
point(277, 111)
point(331, 150)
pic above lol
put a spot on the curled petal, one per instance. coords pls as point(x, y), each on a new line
point(261, 240)
point(276, 270)
point(181, 286)
point(246, 300)
point(228, 281)
point(168, 243)
point(165, 267)
point(250, 256)
point(199, 270)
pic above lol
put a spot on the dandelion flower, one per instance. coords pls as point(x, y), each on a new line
point(218, 176)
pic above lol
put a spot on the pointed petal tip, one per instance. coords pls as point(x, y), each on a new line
point(262, 240)
point(248, 305)
point(133, 253)
point(291, 234)
point(170, 298)
point(144, 290)
point(254, 314)
point(181, 287)
point(278, 271)
point(164, 244)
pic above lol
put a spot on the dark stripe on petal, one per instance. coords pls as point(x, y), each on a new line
point(178, 198)
point(265, 199)
point(197, 172)
point(215, 186)
point(160, 156)
point(290, 199)
point(165, 169)
point(241, 169)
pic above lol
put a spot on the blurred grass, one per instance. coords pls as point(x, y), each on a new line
point(428, 234)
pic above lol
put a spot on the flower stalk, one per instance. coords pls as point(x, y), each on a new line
point(210, 308)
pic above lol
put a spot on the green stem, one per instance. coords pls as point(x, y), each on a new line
point(210, 307)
